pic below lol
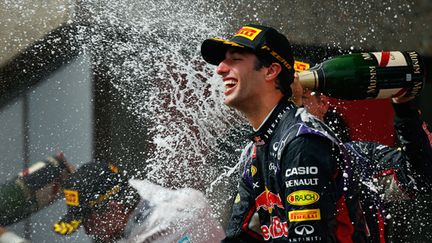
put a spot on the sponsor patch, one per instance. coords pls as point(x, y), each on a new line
point(114, 169)
point(304, 229)
point(253, 170)
point(302, 197)
point(304, 215)
point(105, 196)
point(275, 230)
point(248, 32)
point(301, 66)
point(302, 170)
point(237, 198)
point(268, 201)
point(302, 182)
point(71, 197)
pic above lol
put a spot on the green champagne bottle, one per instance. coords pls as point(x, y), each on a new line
point(32, 189)
point(371, 75)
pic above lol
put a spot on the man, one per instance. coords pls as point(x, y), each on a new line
point(319, 106)
point(100, 198)
point(387, 174)
point(295, 177)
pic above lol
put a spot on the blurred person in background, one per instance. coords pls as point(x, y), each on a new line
point(391, 176)
point(113, 208)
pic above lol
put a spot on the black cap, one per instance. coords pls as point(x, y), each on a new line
point(90, 189)
point(261, 40)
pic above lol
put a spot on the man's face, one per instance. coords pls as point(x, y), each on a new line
point(241, 81)
point(107, 224)
point(315, 104)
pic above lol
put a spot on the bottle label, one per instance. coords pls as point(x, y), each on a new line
point(386, 93)
point(35, 167)
point(390, 58)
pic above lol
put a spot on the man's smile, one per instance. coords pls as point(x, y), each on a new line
point(229, 84)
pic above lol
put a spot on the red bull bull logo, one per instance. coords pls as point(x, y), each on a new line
point(268, 201)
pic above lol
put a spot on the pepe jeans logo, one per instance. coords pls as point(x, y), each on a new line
point(248, 32)
point(304, 229)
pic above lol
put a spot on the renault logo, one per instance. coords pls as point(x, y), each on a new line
point(304, 229)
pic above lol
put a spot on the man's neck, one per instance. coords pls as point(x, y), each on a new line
point(258, 115)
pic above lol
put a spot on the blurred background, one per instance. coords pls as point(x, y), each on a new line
point(124, 82)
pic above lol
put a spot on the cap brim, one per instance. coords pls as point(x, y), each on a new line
point(213, 50)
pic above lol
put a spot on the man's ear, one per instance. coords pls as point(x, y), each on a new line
point(273, 71)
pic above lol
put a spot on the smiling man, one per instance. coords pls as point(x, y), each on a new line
point(294, 186)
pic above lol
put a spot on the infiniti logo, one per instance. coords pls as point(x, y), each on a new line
point(304, 229)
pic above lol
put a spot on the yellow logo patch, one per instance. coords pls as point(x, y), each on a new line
point(301, 66)
point(304, 215)
point(248, 32)
point(302, 197)
point(104, 197)
point(237, 198)
point(71, 197)
point(253, 170)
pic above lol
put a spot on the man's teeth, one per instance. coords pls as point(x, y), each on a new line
point(230, 83)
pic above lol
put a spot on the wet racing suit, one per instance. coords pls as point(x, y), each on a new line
point(385, 174)
point(296, 184)
point(390, 175)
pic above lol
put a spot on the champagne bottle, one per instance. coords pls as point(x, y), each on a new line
point(371, 75)
point(32, 189)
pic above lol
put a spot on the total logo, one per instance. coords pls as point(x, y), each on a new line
point(276, 229)
point(304, 229)
point(268, 201)
point(302, 197)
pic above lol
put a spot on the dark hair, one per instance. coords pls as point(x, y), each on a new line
point(283, 81)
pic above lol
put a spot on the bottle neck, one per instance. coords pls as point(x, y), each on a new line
point(308, 79)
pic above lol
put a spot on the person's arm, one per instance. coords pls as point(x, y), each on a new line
point(414, 142)
point(394, 169)
point(244, 225)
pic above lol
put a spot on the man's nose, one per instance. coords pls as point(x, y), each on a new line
point(222, 68)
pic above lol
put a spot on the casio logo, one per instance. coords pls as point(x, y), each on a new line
point(308, 170)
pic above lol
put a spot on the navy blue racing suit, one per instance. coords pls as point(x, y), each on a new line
point(296, 185)
point(294, 164)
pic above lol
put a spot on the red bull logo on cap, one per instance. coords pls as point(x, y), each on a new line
point(248, 32)
point(268, 201)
